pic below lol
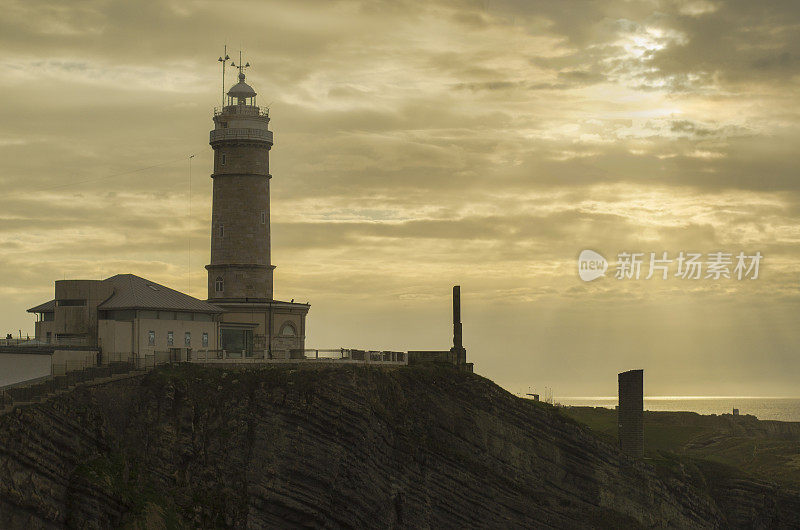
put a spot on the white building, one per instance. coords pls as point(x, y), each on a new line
point(125, 315)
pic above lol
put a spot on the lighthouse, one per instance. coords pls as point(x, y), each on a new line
point(240, 274)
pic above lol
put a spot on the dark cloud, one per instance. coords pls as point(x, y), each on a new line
point(740, 43)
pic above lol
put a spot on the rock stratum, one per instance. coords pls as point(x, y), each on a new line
point(344, 447)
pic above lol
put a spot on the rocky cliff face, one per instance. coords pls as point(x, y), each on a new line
point(340, 447)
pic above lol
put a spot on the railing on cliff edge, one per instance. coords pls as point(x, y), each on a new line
point(72, 372)
point(298, 355)
point(64, 376)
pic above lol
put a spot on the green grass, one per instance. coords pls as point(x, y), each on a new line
point(715, 440)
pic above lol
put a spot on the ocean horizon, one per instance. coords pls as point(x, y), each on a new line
point(764, 408)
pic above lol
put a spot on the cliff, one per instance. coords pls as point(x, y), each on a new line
point(337, 447)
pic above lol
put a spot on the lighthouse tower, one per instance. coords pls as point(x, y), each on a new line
point(240, 269)
point(240, 273)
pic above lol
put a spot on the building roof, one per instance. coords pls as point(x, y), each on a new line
point(44, 308)
point(241, 89)
point(134, 292)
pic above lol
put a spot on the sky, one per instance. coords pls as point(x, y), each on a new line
point(423, 144)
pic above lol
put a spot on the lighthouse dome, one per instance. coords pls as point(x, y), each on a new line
point(241, 89)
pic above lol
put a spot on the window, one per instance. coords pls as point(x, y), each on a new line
point(71, 338)
point(223, 159)
point(288, 330)
point(187, 338)
point(170, 338)
point(205, 339)
point(49, 336)
point(221, 230)
point(236, 342)
point(263, 217)
point(127, 314)
point(69, 303)
point(151, 338)
point(219, 284)
point(119, 315)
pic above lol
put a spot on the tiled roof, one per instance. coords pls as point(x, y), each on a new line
point(44, 308)
point(134, 292)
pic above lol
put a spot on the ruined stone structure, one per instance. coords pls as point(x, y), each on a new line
point(630, 412)
point(240, 273)
point(458, 350)
point(457, 355)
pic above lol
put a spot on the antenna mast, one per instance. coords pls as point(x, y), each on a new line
point(224, 59)
point(240, 66)
point(189, 230)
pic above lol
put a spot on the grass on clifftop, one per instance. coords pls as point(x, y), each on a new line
point(741, 443)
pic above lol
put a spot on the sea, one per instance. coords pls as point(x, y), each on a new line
point(763, 408)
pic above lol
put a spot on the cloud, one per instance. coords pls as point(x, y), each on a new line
point(419, 145)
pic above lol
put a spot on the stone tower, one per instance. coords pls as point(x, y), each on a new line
point(240, 269)
point(253, 324)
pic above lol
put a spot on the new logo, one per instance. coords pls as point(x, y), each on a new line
point(591, 265)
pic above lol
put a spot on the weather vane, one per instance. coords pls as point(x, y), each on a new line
point(240, 66)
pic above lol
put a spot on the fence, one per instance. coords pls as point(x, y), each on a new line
point(298, 355)
point(346, 354)
point(59, 342)
point(70, 373)
point(206, 355)
point(23, 343)
point(62, 379)
point(108, 358)
point(210, 355)
point(149, 361)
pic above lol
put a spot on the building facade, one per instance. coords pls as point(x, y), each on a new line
point(126, 315)
point(240, 275)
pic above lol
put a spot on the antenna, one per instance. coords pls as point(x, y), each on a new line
point(224, 59)
point(240, 66)
point(189, 231)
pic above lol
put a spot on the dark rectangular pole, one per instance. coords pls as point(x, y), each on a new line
point(630, 412)
point(457, 317)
